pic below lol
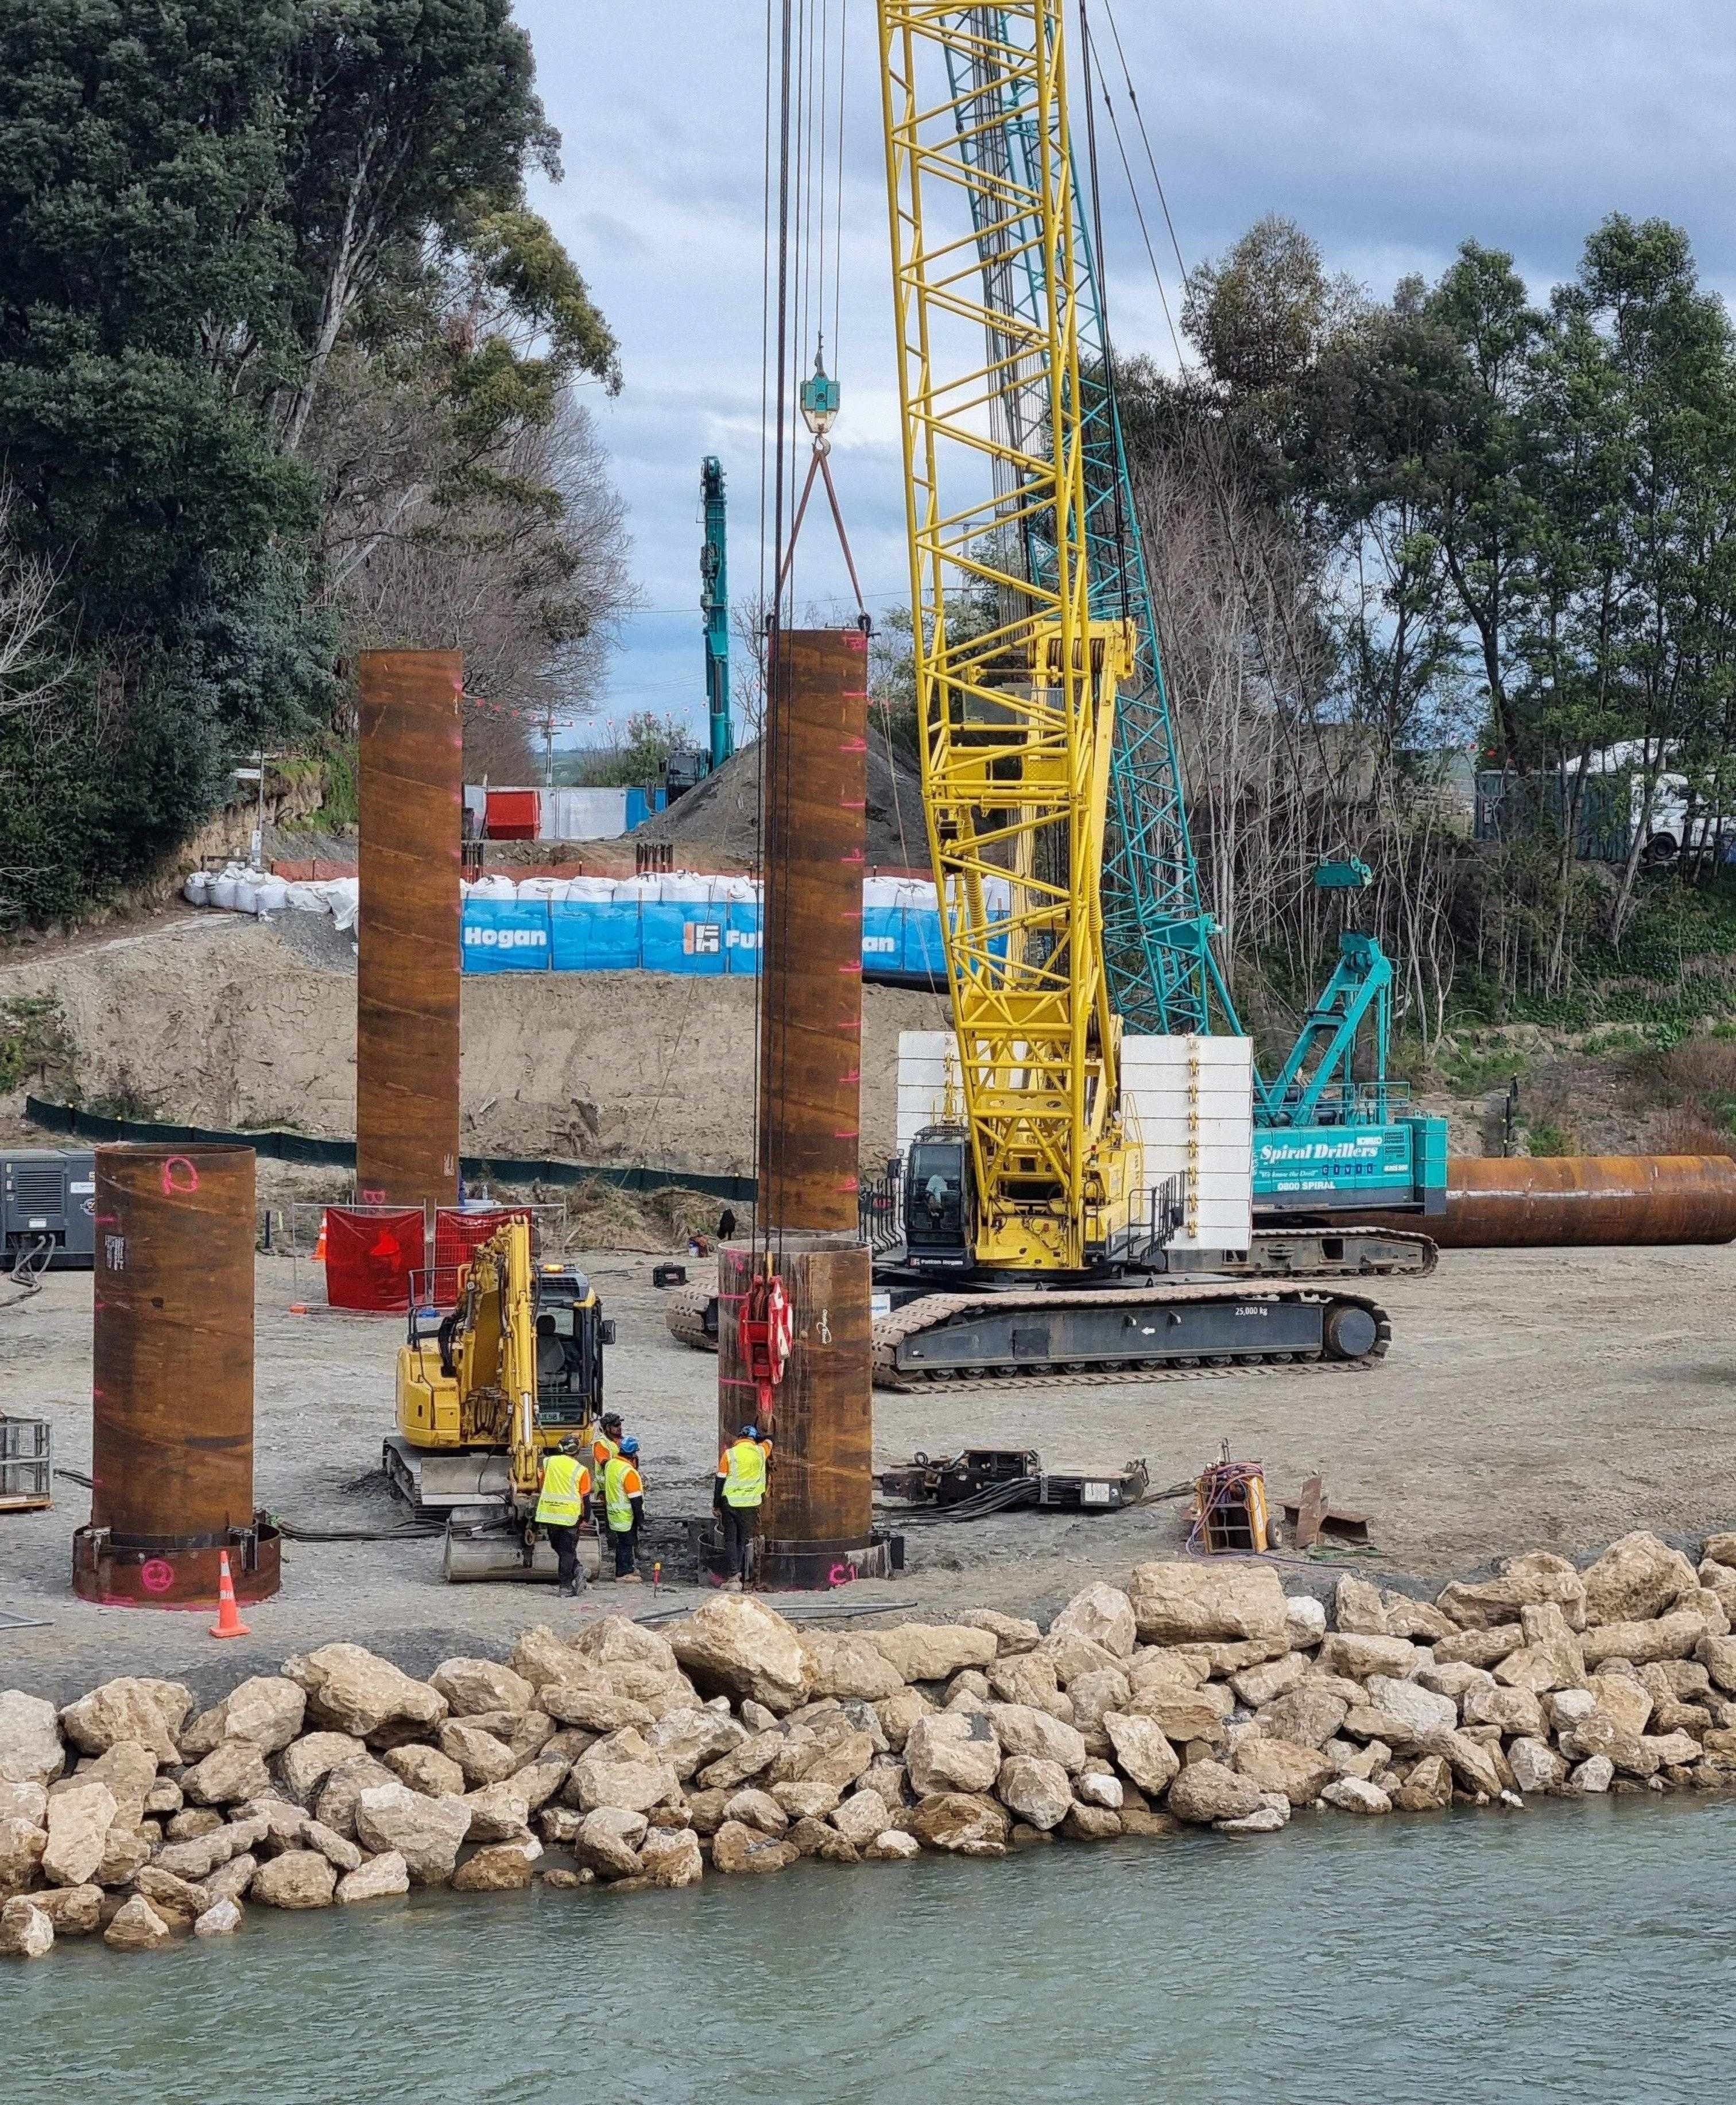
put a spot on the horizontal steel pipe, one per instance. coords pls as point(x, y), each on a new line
point(1563, 1201)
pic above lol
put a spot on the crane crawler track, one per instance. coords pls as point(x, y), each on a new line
point(936, 1314)
point(684, 1316)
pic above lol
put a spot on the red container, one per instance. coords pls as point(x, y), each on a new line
point(514, 815)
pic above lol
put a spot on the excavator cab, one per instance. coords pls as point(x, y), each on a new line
point(571, 1332)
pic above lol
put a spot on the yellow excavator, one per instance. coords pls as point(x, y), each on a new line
point(485, 1392)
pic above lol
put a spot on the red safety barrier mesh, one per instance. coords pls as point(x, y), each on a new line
point(369, 1256)
point(457, 1232)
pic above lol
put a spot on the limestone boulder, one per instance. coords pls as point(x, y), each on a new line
point(671, 1857)
point(1709, 1605)
point(1010, 1632)
point(1427, 1786)
point(233, 1771)
point(1671, 1750)
point(31, 1749)
point(752, 1757)
point(284, 1823)
point(757, 1808)
point(427, 1770)
point(137, 1927)
point(426, 1832)
point(861, 1816)
point(1174, 1604)
point(26, 1931)
point(935, 1651)
point(814, 1838)
point(961, 1824)
point(1718, 1656)
point(471, 1686)
point(1671, 1636)
point(74, 1910)
point(624, 1771)
point(125, 1709)
point(1635, 1579)
point(1351, 1795)
point(1256, 1686)
point(1720, 1579)
point(298, 1879)
point(1300, 1773)
point(1305, 1619)
point(1022, 1729)
point(1484, 1648)
point(380, 1878)
point(233, 1880)
point(1199, 1715)
point(175, 1900)
point(835, 1757)
point(1091, 1823)
point(737, 1850)
point(844, 1663)
point(267, 1710)
point(950, 1751)
point(1036, 1791)
point(1358, 1608)
point(1207, 1791)
point(1521, 1582)
point(499, 1867)
point(806, 1801)
point(1593, 1777)
point(1030, 1678)
point(28, 1802)
point(618, 1641)
point(1096, 1788)
point(79, 1818)
point(200, 1858)
point(734, 1645)
point(1552, 1657)
point(894, 1846)
point(341, 1791)
point(221, 1919)
point(898, 1714)
point(1510, 1710)
point(1419, 1712)
point(304, 1765)
point(1473, 1764)
point(1309, 1716)
point(592, 1705)
point(1101, 1613)
point(1355, 1658)
point(350, 1689)
point(342, 1854)
point(1419, 1621)
point(480, 1756)
point(129, 1771)
point(602, 1847)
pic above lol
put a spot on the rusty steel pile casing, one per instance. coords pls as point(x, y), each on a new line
point(817, 1524)
point(816, 807)
point(411, 794)
point(172, 1381)
point(1560, 1201)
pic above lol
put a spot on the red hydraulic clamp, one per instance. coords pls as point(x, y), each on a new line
point(764, 1330)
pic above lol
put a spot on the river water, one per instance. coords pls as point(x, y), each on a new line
point(1577, 1950)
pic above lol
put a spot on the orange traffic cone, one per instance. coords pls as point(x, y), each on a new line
point(319, 1256)
point(229, 1622)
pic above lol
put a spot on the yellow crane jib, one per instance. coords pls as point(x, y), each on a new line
point(1016, 722)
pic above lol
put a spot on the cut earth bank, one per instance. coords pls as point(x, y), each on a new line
point(732, 1742)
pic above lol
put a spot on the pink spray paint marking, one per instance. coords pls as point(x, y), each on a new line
point(179, 1177)
point(157, 1576)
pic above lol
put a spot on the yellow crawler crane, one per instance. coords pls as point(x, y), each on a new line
point(1036, 1200)
point(485, 1392)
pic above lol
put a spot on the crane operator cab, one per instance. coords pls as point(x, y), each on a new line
point(937, 1199)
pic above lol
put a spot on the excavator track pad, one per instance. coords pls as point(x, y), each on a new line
point(690, 1312)
point(1162, 1332)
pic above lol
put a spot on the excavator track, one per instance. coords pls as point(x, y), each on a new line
point(684, 1314)
point(1208, 1330)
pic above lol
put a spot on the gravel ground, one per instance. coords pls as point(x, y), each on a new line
point(1537, 1399)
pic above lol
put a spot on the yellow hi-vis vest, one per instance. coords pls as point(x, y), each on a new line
point(744, 1485)
point(618, 1493)
point(564, 1484)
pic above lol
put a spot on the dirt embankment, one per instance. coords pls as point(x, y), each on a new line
point(214, 1020)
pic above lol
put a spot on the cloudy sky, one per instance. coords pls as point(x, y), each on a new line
point(1391, 129)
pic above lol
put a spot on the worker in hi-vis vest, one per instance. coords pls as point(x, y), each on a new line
point(607, 1443)
point(736, 1497)
point(560, 1506)
point(623, 1501)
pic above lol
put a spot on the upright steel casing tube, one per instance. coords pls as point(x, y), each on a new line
point(411, 790)
point(172, 1386)
point(814, 845)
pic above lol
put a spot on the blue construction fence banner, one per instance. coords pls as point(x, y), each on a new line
point(708, 937)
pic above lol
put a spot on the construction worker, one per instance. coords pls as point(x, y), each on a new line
point(608, 1441)
point(560, 1506)
point(624, 1499)
point(736, 1496)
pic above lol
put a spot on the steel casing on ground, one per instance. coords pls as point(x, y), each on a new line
point(411, 786)
point(1566, 1201)
point(172, 1450)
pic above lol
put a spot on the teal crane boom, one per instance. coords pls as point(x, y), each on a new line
point(1323, 1142)
point(714, 604)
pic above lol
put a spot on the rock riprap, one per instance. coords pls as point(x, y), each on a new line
point(1198, 1695)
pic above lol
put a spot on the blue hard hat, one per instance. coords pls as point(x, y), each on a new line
point(750, 1432)
point(630, 1445)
